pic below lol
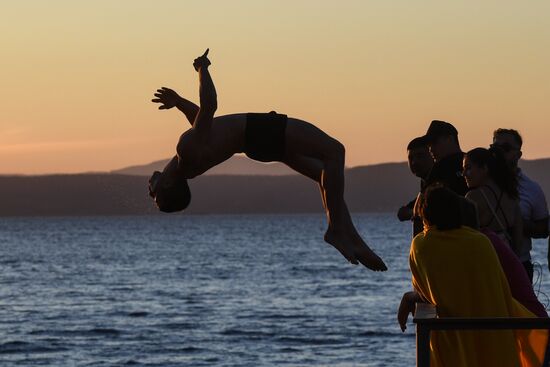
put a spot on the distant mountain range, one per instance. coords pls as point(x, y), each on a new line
point(236, 165)
point(375, 188)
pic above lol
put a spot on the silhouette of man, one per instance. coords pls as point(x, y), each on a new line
point(420, 163)
point(532, 202)
point(442, 139)
point(263, 137)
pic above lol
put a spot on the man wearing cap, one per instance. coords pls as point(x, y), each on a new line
point(442, 139)
point(532, 202)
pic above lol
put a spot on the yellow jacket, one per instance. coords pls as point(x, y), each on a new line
point(459, 272)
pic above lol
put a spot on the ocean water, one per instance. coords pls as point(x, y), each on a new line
point(260, 290)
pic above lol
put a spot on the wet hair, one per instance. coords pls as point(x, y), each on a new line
point(417, 143)
point(174, 198)
point(441, 207)
point(514, 133)
point(499, 171)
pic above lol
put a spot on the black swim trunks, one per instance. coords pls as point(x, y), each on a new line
point(265, 136)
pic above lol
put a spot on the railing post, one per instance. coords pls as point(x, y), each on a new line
point(423, 311)
point(422, 345)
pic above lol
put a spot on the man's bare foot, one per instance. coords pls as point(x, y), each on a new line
point(366, 256)
point(342, 244)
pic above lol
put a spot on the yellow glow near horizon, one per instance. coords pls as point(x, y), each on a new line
point(77, 77)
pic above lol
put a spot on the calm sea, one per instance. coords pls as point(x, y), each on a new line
point(201, 291)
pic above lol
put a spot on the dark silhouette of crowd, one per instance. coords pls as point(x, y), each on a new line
point(473, 222)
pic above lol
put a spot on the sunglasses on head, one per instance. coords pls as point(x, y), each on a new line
point(506, 147)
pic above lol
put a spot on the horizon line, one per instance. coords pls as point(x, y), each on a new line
point(113, 172)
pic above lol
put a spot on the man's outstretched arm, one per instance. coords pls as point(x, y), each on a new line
point(169, 98)
point(208, 97)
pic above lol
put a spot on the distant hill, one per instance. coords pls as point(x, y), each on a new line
point(377, 188)
point(371, 188)
point(237, 165)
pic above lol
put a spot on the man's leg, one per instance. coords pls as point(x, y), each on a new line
point(313, 168)
point(321, 158)
point(310, 150)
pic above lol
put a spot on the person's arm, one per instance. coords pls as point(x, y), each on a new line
point(208, 97)
point(168, 98)
point(406, 211)
point(537, 226)
point(517, 230)
point(406, 307)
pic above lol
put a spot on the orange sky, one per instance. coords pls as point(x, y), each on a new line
point(77, 77)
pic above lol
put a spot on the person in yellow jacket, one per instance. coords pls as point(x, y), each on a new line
point(456, 269)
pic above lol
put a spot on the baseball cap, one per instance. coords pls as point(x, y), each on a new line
point(440, 128)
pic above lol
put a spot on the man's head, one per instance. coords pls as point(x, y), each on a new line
point(169, 190)
point(509, 142)
point(442, 139)
point(419, 157)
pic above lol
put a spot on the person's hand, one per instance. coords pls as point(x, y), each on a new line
point(404, 213)
point(406, 307)
point(202, 61)
point(166, 97)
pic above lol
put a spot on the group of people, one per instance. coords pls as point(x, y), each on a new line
point(473, 223)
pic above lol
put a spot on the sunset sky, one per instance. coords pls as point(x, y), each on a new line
point(77, 76)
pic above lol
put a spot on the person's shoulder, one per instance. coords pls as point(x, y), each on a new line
point(526, 180)
point(418, 247)
point(529, 185)
point(418, 241)
point(473, 233)
point(419, 237)
point(535, 187)
point(473, 239)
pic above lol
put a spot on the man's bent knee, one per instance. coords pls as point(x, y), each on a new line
point(337, 150)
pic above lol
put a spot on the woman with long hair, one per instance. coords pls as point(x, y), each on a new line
point(494, 191)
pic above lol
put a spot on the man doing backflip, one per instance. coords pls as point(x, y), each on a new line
point(265, 137)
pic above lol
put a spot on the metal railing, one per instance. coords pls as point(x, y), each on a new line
point(426, 320)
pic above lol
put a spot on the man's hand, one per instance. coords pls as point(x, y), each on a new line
point(406, 307)
point(202, 61)
point(404, 213)
point(167, 98)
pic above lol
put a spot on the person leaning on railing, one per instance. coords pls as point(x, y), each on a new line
point(456, 269)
